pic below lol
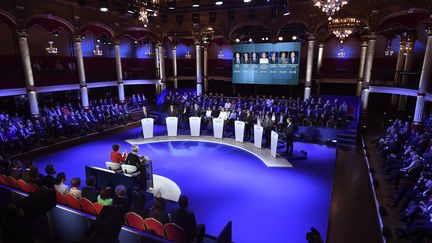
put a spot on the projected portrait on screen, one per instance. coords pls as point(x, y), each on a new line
point(293, 58)
point(283, 57)
point(263, 58)
point(254, 58)
point(273, 58)
point(246, 59)
point(237, 59)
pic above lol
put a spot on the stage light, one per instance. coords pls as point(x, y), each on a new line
point(136, 42)
point(195, 3)
point(171, 4)
point(247, 1)
point(56, 33)
point(131, 7)
point(98, 40)
point(280, 38)
point(250, 39)
point(218, 2)
point(294, 37)
point(103, 6)
point(237, 40)
point(286, 11)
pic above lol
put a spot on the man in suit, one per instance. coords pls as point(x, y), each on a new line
point(237, 59)
point(254, 59)
point(268, 126)
point(90, 191)
point(248, 119)
point(283, 58)
point(184, 218)
point(246, 58)
point(273, 58)
point(293, 58)
point(289, 137)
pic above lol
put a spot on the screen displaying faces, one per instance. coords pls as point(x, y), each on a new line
point(266, 63)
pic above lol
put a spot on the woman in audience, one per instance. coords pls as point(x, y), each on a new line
point(75, 182)
point(116, 156)
point(105, 197)
point(59, 185)
point(158, 210)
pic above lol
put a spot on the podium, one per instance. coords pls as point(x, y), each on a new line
point(258, 133)
point(218, 125)
point(172, 124)
point(274, 141)
point(195, 126)
point(239, 128)
point(147, 127)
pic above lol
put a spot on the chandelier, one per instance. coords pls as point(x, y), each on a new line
point(343, 28)
point(51, 49)
point(188, 55)
point(330, 7)
point(97, 51)
point(220, 54)
point(147, 10)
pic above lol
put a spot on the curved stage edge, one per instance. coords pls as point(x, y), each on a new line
point(263, 154)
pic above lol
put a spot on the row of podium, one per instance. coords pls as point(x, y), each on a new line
point(218, 128)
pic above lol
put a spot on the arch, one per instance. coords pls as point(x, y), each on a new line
point(289, 22)
point(408, 18)
point(250, 23)
point(50, 23)
point(98, 29)
point(7, 18)
point(138, 33)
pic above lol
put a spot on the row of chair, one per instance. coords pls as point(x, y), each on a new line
point(169, 231)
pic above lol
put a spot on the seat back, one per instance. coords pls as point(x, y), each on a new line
point(61, 199)
point(175, 233)
point(23, 186)
point(4, 180)
point(129, 169)
point(13, 183)
point(98, 207)
point(112, 166)
point(87, 206)
point(154, 225)
point(135, 221)
point(33, 187)
point(73, 202)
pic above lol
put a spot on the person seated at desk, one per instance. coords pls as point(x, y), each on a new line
point(116, 156)
point(133, 158)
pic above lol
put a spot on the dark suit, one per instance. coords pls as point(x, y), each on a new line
point(91, 193)
point(185, 219)
point(133, 159)
point(289, 138)
point(249, 120)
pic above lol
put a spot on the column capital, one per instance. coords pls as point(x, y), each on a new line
point(421, 94)
point(22, 33)
point(174, 47)
point(77, 38)
point(364, 44)
point(117, 41)
point(321, 45)
point(311, 37)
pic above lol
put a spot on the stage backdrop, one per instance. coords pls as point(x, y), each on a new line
point(266, 63)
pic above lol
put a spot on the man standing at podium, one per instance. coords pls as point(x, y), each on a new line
point(289, 137)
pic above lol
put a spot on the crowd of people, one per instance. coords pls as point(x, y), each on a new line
point(117, 197)
point(406, 157)
point(19, 133)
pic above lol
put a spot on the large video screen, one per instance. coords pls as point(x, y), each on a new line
point(266, 63)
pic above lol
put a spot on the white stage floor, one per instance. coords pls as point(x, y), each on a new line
point(263, 154)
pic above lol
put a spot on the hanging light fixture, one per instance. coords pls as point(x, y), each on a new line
point(51, 49)
point(220, 54)
point(341, 53)
point(103, 6)
point(188, 55)
point(195, 3)
point(97, 51)
point(330, 7)
point(344, 27)
point(218, 2)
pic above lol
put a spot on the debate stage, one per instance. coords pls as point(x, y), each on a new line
point(225, 182)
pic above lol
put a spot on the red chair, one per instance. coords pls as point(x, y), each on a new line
point(154, 225)
point(87, 206)
point(23, 186)
point(175, 233)
point(4, 180)
point(135, 221)
point(33, 187)
point(13, 183)
point(98, 207)
point(61, 199)
point(73, 202)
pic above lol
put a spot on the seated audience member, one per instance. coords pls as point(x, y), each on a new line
point(25, 174)
point(158, 210)
point(59, 185)
point(133, 158)
point(121, 199)
point(35, 177)
point(90, 191)
point(75, 183)
point(49, 180)
point(116, 156)
point(105, 197)
point(184, 218)
point(15, 170)
point(139, 204)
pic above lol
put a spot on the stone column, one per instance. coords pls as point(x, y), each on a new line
point(157, 62)
point(198, 68)
point(81, 73)
point(407, 67)
point(28, 74)
point(205, 47)
point(120, 87)
point(174, 58)
point(399, 67)
point(364, 47)
point(367, 71)
point(162, 67)
point(320, 57)
point(309, 67)
point(424, 80)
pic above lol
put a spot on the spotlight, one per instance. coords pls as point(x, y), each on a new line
point(150, 6)
point(131, 7)
point(237, 40)
point(263, 38)
point(171, 4)
point(218, 2)
point(56, 33)
point(294, 37)
point(98, 40)
point(103, 6)
point(195, 3)
point(250, 39)
point(247, 1)
point(286, 11)
point(280, 38)
point(136, 42)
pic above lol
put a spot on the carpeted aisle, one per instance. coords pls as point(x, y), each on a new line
point(225, 183)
